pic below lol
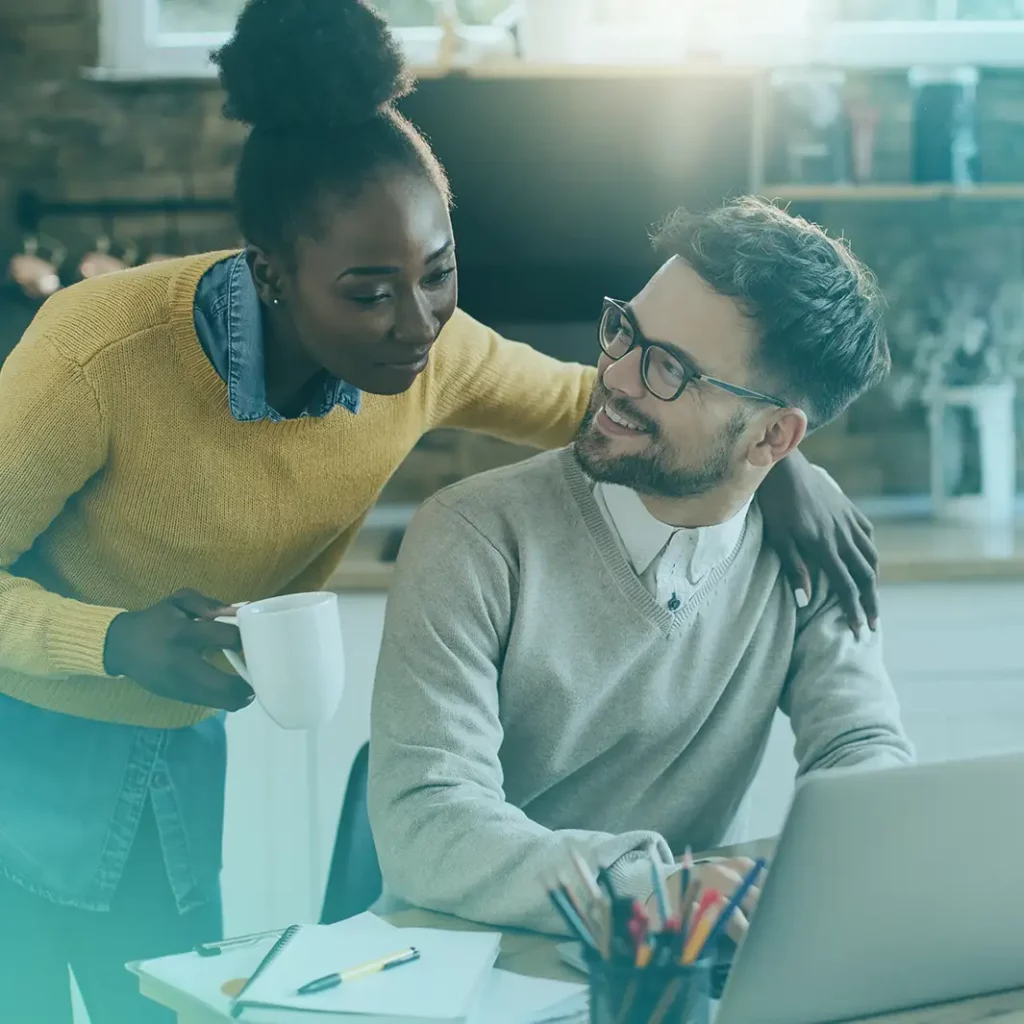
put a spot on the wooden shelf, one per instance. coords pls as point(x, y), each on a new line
point(894, 193)
point(515, 69)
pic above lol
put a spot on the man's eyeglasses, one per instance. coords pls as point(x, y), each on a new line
point(664, 373)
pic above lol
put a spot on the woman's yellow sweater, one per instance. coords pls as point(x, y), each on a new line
point(124, 477)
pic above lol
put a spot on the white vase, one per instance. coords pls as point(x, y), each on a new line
point(990, 409)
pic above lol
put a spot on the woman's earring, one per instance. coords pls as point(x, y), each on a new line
point(275, 302)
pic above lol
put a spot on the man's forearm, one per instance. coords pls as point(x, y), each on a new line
point(876, 746)
point(459, 850)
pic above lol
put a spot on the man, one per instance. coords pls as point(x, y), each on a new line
point(586, 650)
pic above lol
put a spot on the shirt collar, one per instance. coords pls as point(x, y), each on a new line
point(247, 393)
point(644, 537)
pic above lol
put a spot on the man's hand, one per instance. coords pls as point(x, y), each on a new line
point(725, 874)
point(808, 519)
point(161, 648)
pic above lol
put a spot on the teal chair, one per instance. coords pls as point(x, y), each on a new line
point(353, 881)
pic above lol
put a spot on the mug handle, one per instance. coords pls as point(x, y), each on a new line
point(235, 659)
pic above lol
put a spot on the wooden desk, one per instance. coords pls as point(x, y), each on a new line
point(535, 955)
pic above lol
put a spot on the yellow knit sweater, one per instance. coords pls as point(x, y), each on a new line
point(124, 477)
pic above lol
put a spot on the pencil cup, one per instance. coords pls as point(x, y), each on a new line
point(623, 994)
point(721, 965)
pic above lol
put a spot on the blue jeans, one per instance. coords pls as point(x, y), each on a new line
point(39, 939)
point(110, 849)
point(72, 793)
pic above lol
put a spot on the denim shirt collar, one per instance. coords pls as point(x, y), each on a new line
point(229, 308)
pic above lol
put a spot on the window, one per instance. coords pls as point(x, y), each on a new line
point(162, 38)
point(907, 32)
point(205, 16)
point(173, 38)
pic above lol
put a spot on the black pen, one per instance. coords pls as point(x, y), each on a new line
point(384, 963)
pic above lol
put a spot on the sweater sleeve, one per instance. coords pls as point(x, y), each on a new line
point(446, 837)
point(505, 388)
point(838, 695)
point(53, 443)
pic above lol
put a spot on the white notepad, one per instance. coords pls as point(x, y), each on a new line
point(506, 998)
point(444, 984)
point(516, 999)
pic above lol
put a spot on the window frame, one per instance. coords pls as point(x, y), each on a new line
point(132, 48)
point(898, 45)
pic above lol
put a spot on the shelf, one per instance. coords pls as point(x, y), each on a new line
point(518, 69)
point(894, 193)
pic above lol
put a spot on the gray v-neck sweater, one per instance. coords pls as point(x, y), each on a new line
point(532, 695)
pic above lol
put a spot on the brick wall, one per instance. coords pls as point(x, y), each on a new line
point(74, 138)
point(71, 138)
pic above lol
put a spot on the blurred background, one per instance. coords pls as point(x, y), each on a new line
point(569, 127)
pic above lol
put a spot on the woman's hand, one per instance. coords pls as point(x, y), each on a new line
point(161, 648)
point(808, 520)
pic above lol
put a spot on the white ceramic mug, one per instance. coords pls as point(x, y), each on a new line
point(294, 658)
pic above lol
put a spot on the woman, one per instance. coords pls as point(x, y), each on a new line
point(214, 429)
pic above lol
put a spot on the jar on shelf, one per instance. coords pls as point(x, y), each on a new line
point(944, 145)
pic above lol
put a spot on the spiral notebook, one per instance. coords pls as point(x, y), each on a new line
point(443, 985)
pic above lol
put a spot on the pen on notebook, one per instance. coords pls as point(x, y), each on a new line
point(737, 898)
point(218, 947)
point(384, 963)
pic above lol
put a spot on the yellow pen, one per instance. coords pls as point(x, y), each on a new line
point(384, 963)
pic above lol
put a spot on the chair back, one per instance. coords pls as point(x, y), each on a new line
point(354, 881)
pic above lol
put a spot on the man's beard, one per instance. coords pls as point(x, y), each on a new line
point(653, 472)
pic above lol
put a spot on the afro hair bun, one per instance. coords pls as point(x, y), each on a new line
point(294, 65)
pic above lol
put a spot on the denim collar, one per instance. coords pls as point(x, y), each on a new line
point(229, 307)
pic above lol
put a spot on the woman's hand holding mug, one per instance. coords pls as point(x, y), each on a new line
point(161, 648)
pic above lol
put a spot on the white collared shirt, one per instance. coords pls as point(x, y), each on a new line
point(672, 562)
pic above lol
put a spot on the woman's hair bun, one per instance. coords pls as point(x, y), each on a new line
point(306, 64)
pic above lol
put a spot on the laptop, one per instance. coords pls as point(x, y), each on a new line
point(890, 889)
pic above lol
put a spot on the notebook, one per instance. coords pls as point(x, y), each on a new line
point(506, 998)
point(571, 954)
point(516, 999)
point(443, 985)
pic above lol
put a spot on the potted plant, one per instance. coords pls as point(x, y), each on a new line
point(957, 335)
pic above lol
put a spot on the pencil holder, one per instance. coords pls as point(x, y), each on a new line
point(623, 994)
point(721, 965)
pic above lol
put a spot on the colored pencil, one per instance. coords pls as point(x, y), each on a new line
point(737, 898)
point(660, 895)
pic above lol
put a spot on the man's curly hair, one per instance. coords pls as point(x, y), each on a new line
point(817, 308)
